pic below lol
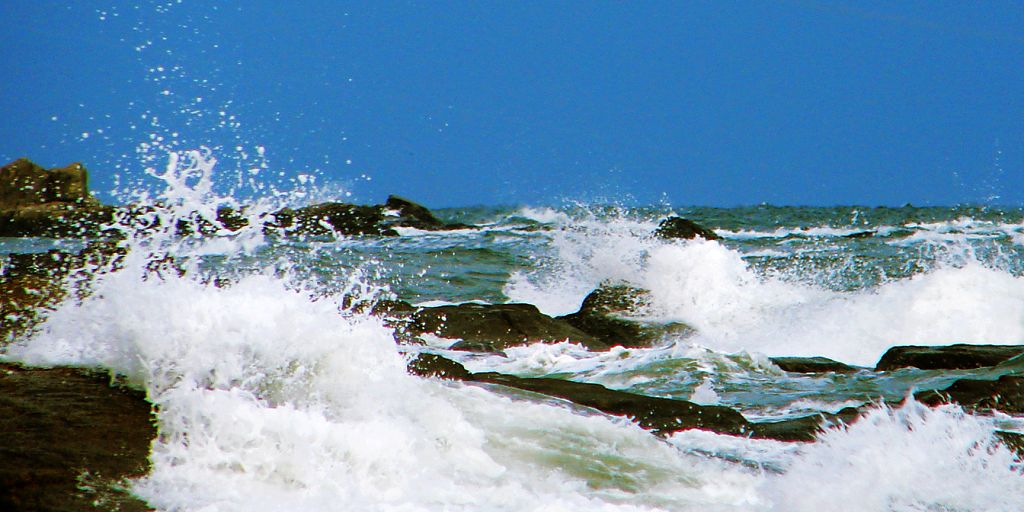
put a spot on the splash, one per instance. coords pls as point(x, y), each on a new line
point(901, 460)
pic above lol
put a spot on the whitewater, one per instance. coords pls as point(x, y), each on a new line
point(273, 390)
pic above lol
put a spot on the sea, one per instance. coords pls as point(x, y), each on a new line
point(275, 392)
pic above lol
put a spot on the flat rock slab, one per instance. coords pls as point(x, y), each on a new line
point(70, 440)
point(949, 357)
point(662, 416)
point(812, 365)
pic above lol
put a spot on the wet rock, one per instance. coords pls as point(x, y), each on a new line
point(1005, 394)
point(950, 357)
point(333, 218)
point(352, 219)
point(494, 327)
point(52, 203)
point(605, 315)
point(70, 440)
point(811, 365)
point(1012, 440)
point(861, 234)
point(805, 428)
point(660, 415)
point(674, 228)
point(432, 365)
point(402, 212)
point(30, 284)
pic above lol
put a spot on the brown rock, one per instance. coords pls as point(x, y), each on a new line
point(70, 440)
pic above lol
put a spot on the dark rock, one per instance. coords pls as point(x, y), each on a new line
point(679, 228)
point(333, 218)
point(56, 220)
point(432, 365)
point(231, 219)
point(405, 213)
point(70, 440)
point(861, 234)
point(805, 428)
point(811, 365)
point(30, 284)
point(660, 415)
point(604, 315)
point(351, 219)
point(1012, 440)
point(1005, 394)
point(494, 327)
point(951, 357)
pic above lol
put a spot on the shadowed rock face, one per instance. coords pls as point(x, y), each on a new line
point(678, 228)
point(70, 440)
point(950, 357)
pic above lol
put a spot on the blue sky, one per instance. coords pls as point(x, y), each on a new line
point(462, 103)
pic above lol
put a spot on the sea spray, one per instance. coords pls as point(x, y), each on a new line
point(906, 459)
point(270, 397)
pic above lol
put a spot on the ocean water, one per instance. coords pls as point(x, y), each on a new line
point(274, 393)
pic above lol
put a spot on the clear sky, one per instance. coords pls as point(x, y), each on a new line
point(504, 102)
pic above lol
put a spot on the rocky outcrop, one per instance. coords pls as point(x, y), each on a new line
point(351, 219)
point(811, 365)
point(1004, 394)
point(609, 315)
point(70, 440)
point(57, 203)
point(950, 357)
point(678, 228)
point(661, 416)
point(495, 327)
point(52, 203)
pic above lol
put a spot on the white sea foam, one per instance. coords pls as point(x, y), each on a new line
point(712, 289)
point(709, 286)
point(269, 400)
point(909, 459)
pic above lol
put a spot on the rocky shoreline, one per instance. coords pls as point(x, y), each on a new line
point(75, 437)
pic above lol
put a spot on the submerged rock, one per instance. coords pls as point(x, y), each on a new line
point(674, 228)
point(70, 440)
point(494, 327)
point(606, 315)
point(811, 365)
point(52, 203)
point(950, 357)
point(1005, 394)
